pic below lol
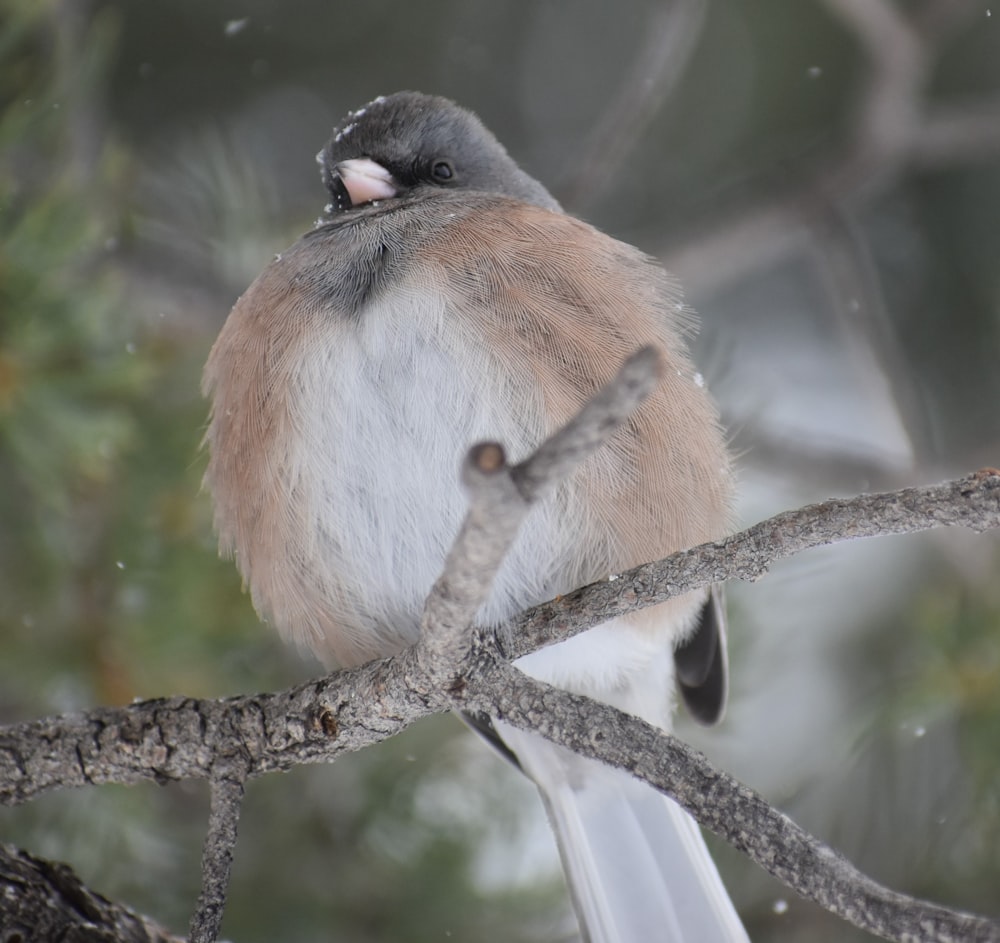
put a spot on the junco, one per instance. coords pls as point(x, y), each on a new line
point(445, 298)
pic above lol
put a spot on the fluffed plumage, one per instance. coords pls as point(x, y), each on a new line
point(445, 299)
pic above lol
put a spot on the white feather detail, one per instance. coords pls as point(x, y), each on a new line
point(635, 862)
point(401, 377)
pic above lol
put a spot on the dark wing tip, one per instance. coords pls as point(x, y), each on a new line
point(483, 725)
point(701, 664)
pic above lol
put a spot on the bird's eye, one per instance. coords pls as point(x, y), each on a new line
point(442, 170)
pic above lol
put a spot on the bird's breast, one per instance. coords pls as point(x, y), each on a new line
point(350, 503)
point(352, 377)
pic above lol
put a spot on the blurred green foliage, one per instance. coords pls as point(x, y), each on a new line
point(99, 424)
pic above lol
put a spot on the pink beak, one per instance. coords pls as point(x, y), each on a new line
point(366, 181)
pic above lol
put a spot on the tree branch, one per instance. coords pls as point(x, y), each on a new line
point(499, 499)
point(672, 34)
point(727, 808)
point(451, 667)
point(42, 901)
point(179, 738)
point(972, 501)
point(891, 130)
point(217, 854)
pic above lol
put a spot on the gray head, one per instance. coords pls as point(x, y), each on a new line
point(409, 144)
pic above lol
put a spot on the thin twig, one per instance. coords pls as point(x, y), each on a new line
point(843, 259)
point(892, 129)
point(671, 36)
point(586, 432)
point(731, 810)
point(227, 789)
point(499, 499)
point(973, 502)
point(958, 133)
point(496, 509)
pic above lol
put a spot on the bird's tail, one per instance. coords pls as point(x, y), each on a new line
point(636, 864)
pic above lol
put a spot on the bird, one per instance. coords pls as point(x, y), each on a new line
point(444, 297)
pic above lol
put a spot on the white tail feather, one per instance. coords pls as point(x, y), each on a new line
point(636, 863)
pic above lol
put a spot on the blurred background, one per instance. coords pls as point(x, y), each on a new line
point(824, 177)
